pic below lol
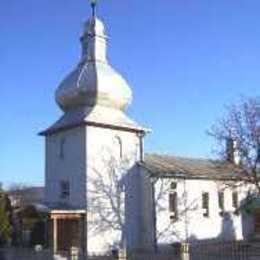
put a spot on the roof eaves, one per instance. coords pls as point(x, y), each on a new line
point(51, 130)
point(232, 176)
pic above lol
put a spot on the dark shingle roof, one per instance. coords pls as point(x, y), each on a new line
point(29, 195)
point(168, 165)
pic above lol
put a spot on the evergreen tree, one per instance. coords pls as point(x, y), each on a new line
point(5, 225)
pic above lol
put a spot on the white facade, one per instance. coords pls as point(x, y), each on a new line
point(65, 162)
point(107, 151)
point(77, 156)
point(152, 224)
point(191, 222)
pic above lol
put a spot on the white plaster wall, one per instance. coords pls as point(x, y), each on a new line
point(147, 220)
point(101, 147)
point(100, 142)
point(191, 223)
point(133, 208)
point(71, 168)
point(140, 211)
point(86, 151)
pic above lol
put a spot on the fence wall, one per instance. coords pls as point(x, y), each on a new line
point(197, 251)
point(160, 256)
point(29, 254)
point(237, 250)
point(24, 254)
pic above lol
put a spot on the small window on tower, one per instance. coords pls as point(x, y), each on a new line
point(64, 189)
point(62, 145)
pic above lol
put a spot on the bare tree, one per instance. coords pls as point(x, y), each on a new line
point(184, 209)
point(241, 126)
point(106, 199)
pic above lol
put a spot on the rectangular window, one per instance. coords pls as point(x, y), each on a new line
point(173, 207)
point(221, 200)
point(235, 199)
point(64, 189)
point(221, 203)
point(205, 204)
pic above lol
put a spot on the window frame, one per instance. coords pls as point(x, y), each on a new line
point(173, 205)
point(235, 202)
point(205, 204)
point(173, 185)
point(61, 148)
point(221, 202)
point(64, 189)
point(120, 144)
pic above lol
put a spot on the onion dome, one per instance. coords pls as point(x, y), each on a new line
point(93, 82)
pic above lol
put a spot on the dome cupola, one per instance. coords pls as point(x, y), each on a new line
point(93, 82)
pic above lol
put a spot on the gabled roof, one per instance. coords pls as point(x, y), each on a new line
point(182, 167)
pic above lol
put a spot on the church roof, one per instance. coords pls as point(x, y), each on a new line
point(184, 167)
point(97, 116)
point(94, 81)
point(94, 93)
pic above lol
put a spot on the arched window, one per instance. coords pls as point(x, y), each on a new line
point(118, 147)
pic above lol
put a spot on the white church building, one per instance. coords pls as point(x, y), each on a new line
point(103, 191)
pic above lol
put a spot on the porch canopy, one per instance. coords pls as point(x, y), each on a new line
point(67, 230)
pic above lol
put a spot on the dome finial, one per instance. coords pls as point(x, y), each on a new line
point(93, 4)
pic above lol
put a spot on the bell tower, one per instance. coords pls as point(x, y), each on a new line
point(93, 136)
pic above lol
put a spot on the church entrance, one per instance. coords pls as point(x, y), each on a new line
point(68, 234)
point(67, 231)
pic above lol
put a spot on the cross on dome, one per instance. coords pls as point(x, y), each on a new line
point(93, 4)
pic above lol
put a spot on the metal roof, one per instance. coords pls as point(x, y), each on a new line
point(182, 167)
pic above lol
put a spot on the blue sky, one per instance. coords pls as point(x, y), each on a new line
point(184, 59)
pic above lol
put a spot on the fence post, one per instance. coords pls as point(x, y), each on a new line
point(185, 251)
point(74, 253)
point(122, 254)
